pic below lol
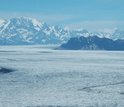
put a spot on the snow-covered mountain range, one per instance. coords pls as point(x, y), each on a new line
point(22, 31)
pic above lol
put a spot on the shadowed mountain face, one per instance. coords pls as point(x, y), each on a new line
point(5, 70)
point(92, 43)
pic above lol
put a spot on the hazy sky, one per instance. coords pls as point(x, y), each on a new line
point(76, 14)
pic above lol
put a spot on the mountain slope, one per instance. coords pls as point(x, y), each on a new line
point(19, 30)
point(93, 43)
point(29, 31)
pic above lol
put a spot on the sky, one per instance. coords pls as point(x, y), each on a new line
point(93, 15)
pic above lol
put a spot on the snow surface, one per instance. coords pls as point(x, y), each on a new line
point(83, 34)
point(5, 26)
point(110, 31)
point(100, 35)
point(52, 28)
point(22, 30)
point(57, 33)
point(11, 36)
point(43, 40)
point(62, 36)
point(37, 28)
point(66, 28)
point(28, 40)
point(34, 21)
point(79, 29)
point(37, 37)
point(1, 22)
point(47, 32)
point(37, 25)
point(43, 77)
point(107, 36)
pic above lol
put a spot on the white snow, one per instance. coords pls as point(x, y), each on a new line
point(78, 29)
point(22, 30)
point(37, 37)
point(47, 32)
point(7, 37)
point(43, 40)
point(1, 22)
point(24, 36)
point(10, 35)
point(60, 30)
point(57, 34)
point(122, 30)
point(13, 34)
point(12, 27)
point(18, 22)
point(5, 26)
point(108, 36)
point(44, 77)
point(109, 31)
point(36, 23)
point(100, 35)
point(62, 36)
point(37, 28)
point(67, 28)
point(28, 40)
point(52, 27)
point(83, 34)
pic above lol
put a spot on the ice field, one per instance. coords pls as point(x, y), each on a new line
point(39, 76)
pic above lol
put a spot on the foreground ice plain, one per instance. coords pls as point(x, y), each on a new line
point(43, 77)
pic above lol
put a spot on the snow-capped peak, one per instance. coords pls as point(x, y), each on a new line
point(110, 31)
point(67, 28)
point(44, 24)
point(1, 22)
point(36, 23)
point(79, 29)
point(4, 26)
point(119, 30)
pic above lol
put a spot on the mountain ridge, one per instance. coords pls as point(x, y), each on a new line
point(21, 31)
point(92, 43)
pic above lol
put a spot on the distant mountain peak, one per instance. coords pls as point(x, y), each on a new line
point(80, 29)
point(36, 23)
point(44, 24)
point(67, 28)
point(1, 21)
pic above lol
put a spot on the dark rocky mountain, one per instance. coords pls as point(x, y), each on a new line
point(92, 43)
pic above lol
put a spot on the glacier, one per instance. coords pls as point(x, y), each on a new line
point(43, 77)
